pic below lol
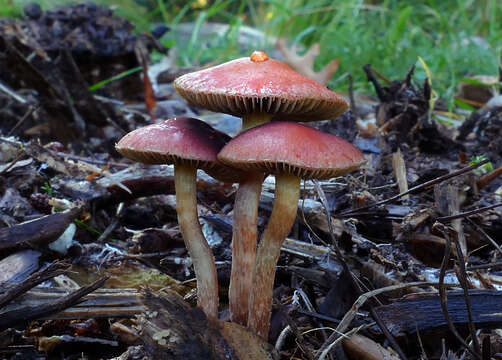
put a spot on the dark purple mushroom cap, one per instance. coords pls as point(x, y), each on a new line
point(180, 140)
point(259, 84)
point(291, 148)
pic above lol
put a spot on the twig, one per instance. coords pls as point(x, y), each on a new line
point(488, 237)
point(345, 267)
point(417, 188)
point(488, 178)
point(13, 162)
point(4, 88)
point(54, 269)
point(442, 289)
point(86, 159)
point(28, 313)
point(113, 224)
point(444, 219)
point(319, 316)
point(463, 282)
point(30, 111)
point(420, 343)
point(325, 352)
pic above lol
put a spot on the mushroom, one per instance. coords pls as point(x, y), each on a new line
point(292, 152)
point(258, 89)
point(188, 144)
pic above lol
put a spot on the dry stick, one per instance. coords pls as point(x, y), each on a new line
point(13, 162)
point(113, 225)
point(420, 343)
point(28, 313)
point(463, 282)
point(416, 188)
point(54, 269)
point(30, 111)
point(496, 264)
point(442, 288)
point(488, 178)
point(345, 267)
point(348, 335)
point(468, 213)
point(488, 237)
point(352, 313)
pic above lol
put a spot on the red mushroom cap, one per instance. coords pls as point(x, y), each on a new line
point(260, 84)
point(179, 140)
point(287, 147)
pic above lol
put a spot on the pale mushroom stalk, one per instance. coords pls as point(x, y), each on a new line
point(202, 257)
point(189, 144)
point(290, 151)
point(244, 239)
point(245, 234)
point(287, 192)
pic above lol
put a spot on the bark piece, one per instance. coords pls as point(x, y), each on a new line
point(173, 330)
point(103, 303)
point(422, 312)
point(28, 313)
point(37, 232)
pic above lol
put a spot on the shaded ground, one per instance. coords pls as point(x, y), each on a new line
point(57, 154)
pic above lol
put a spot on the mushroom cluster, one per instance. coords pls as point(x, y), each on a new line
point(271, 98)
point(258, 89)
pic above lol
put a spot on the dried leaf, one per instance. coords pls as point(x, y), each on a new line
point(304, 64)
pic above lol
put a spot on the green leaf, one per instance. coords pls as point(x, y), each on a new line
point(102, 83)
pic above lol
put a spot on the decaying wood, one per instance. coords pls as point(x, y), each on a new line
point(171, 329)
point(28, 313)
point(37, 232)
point(422, 312)
point(102, 303)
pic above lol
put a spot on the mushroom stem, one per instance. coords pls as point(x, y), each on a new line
point(198, 248)
point(254, 119)
point(287, 192)
point(244, 238)
point(245, 234)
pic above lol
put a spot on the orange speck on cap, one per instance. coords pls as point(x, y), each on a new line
point(258, 56)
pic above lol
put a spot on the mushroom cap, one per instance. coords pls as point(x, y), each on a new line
point(179, 140)
point(260, 84)
point(291, 148)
